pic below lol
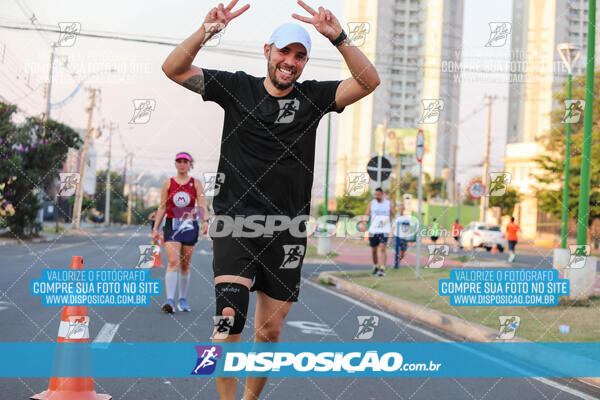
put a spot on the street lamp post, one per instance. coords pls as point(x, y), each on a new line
point(569, 53)
point(584, 192)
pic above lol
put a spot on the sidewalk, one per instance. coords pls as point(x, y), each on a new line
point(48, 234)
point(357, 252)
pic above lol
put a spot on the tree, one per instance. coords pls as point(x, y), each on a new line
point(32, 161)
point(118, 201)
point(433, 188)
point(506, 202)
point(348, 205)
point(551, 179)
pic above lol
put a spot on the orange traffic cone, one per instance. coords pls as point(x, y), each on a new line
point(157, 257)
point(73, 328)
point(495, 249)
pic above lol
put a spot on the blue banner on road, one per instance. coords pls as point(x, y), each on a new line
point(503, 287)
point(321, 359)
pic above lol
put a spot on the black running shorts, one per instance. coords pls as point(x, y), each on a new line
point(274, 263)
point(186, 235)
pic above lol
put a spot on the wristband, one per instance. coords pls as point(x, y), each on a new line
point(339, 40)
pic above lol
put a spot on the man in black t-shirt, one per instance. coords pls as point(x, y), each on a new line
point(267, 157)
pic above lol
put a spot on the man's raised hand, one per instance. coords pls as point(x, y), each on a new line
point(220, 16)
point(323, 21)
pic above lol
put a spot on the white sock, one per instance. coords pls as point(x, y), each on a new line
point(184, 283)
point(171, 283)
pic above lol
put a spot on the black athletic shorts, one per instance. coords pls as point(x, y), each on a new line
point(185, 236)
point(377, 238)
point(274, 263)
point(511, 245)
point(402, 245)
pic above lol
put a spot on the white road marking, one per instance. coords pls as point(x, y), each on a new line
point(397, 320)
point(107, 333)
point(4, 305)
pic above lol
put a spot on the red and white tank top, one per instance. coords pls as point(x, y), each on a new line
point(181, 198)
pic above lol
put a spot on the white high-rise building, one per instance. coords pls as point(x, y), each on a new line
point(409, 41)
point(538, 26)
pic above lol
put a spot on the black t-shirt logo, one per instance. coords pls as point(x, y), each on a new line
point(287, 111)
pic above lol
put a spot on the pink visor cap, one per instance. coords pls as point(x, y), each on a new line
point(184, 156)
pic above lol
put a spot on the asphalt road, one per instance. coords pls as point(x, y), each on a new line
point(320, 315)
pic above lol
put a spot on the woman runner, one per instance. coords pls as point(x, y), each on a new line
point(179, 196)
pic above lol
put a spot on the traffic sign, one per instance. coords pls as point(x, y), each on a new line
point(420, 145)
point(476, 189)
point(375, 164)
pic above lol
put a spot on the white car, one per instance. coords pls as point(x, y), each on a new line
point(479, 234)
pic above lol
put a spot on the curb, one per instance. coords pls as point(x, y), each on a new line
point(458, 327)
point(15, 242)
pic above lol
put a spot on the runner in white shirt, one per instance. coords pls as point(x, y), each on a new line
point(380, 213)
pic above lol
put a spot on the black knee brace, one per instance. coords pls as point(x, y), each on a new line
point(235, 296)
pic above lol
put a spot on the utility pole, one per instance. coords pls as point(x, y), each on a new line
point(486, 160)
point(327, 166)
point(111, 126)
point(453, 197)
point(457, 198)
point(82, 163)
point(130, 190)
point(48, 93)
point(44, 121)
point(379, 162)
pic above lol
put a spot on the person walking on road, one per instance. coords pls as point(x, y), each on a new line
point(457, 229)
point(179, 196)
point(267, 154)
point(434, 231)
point(511, 235)
point(402, 232)
point(380, 214)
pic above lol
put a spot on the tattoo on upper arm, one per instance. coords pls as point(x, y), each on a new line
point(195, 83)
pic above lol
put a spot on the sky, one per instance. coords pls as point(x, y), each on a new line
point(181, 120)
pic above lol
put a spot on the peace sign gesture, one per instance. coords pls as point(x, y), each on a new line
point(221, 16)
point(323, 21)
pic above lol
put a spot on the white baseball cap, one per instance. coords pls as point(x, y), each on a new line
point(290, 33)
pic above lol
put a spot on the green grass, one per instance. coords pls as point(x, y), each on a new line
point(311, 252)
point(538, 324)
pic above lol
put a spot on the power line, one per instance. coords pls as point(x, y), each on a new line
point(239, 51)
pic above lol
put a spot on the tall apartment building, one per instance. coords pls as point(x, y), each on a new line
point(538, 26)
point(408, 41)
